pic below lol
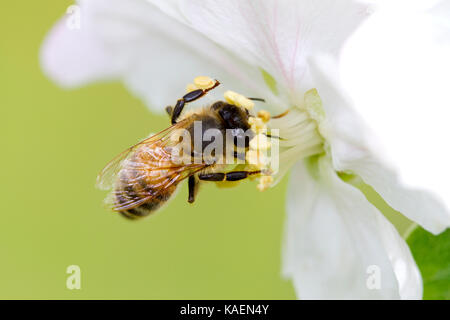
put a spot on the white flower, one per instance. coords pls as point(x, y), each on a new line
point(282, 51)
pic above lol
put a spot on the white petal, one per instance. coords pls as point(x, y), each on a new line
point(73, 57)
point(405, 268)
point(155, 55)
point(398, 75)
point(418, 205)
point(277, 35)
point(440, 13)
point(333, 240)
point(354, 149)
point(407, 5)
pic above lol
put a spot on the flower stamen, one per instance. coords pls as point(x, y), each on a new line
point(298, 133)
point(238, 100)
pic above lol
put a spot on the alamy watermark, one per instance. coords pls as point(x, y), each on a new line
point(73, 281)
point(73, 21)
point(197, 145)
point(373, 281)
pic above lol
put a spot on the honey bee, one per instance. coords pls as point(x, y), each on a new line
point(145, 176)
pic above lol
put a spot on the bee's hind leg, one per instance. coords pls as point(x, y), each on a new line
point(193, 187)
point(190, 97)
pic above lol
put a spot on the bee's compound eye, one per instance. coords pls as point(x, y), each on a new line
point(234, 117)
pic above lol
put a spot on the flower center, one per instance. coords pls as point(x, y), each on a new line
point(299, 137)
point(277, 142)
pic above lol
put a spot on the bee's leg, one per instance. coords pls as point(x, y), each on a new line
point(189, 97)
point(177, 109)
point(227, 176)
point(192, 186)
point(169, 110)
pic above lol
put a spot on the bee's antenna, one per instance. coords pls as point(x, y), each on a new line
point(268, 135)
point(257, 99)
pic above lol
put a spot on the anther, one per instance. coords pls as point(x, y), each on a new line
point(260, 142)
point(264, 183)
point(264, 115)
point(257, 124)
point(256, 159)
point(238, 100)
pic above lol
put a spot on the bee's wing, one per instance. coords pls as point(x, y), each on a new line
point(111, 201)
point(157, 161)
point(167, 176)
point(107, 177)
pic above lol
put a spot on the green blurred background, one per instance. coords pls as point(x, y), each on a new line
point(54, 142)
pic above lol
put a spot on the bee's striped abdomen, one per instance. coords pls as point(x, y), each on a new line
point(144, 181)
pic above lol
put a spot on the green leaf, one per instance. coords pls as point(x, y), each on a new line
point(432, 254)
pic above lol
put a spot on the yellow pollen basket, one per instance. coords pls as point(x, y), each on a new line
point(203, 82)
point(200, 82)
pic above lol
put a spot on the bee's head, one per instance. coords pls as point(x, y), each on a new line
point(233, 117)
